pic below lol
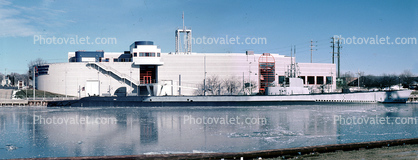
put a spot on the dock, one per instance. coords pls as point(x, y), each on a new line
point(13, 102)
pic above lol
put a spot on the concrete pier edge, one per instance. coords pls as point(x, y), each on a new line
point(287, 152)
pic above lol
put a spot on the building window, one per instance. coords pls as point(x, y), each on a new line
point(311, 80)
point(281, 79)
point(329, 80)
point(115, 60)
point(319, 80)
point(135, 54)
point(107, 60)
point(147, 54)
point(303, 78)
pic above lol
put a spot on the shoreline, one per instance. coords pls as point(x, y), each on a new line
point(274, 153)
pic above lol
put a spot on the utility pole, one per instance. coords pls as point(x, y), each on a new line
point(312, 48)
point(204, 81)
point(34, 83)
point(291, 62)
point(249, 78)
point(338, 54)
point(179, 84)
point(66, 83)
point(243, 84)
point(332, 81)
point(294, 62)
point(358, 79)
point(333, 47)
point(338, 50)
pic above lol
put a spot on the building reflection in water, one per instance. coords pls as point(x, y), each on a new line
point(165, 130)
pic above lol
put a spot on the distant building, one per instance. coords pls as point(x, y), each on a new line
point(6, 81)
point(20, 84)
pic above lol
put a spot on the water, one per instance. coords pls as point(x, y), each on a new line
point(61, 132)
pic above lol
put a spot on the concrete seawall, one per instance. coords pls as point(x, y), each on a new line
point(287, 153)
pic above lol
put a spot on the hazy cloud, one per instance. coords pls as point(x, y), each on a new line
point(22, 21)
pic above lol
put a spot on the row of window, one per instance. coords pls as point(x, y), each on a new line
point(116, 60)
point(146, 54)
point(310, 79)
point(319, 80)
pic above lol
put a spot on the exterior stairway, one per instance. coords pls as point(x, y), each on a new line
point(117, 73)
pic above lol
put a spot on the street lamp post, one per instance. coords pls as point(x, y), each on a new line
point(34, 83)
point(249, 78)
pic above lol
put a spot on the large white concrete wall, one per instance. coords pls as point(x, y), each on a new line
point(68, 78)
point(319, 70)
point(226, 66)
point(191, 68)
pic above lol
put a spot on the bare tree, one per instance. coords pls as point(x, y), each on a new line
point(199, 90)
point(348, 75)
point(32, 63)
point(406, 78)
point(36, 62)
point(232, 86)
point(388, 80)
point(216, 86)
point(213, 86)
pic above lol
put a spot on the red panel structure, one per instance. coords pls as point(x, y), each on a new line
point(266, 65)
point(147, 75)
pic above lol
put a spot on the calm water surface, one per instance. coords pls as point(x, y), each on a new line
point(67, 132)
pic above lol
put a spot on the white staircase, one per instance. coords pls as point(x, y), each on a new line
point(117, 73)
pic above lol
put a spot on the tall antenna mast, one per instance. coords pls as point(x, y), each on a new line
point(182, 17)
point(186, 39)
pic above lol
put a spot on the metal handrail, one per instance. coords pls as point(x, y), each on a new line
point(121, 75)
